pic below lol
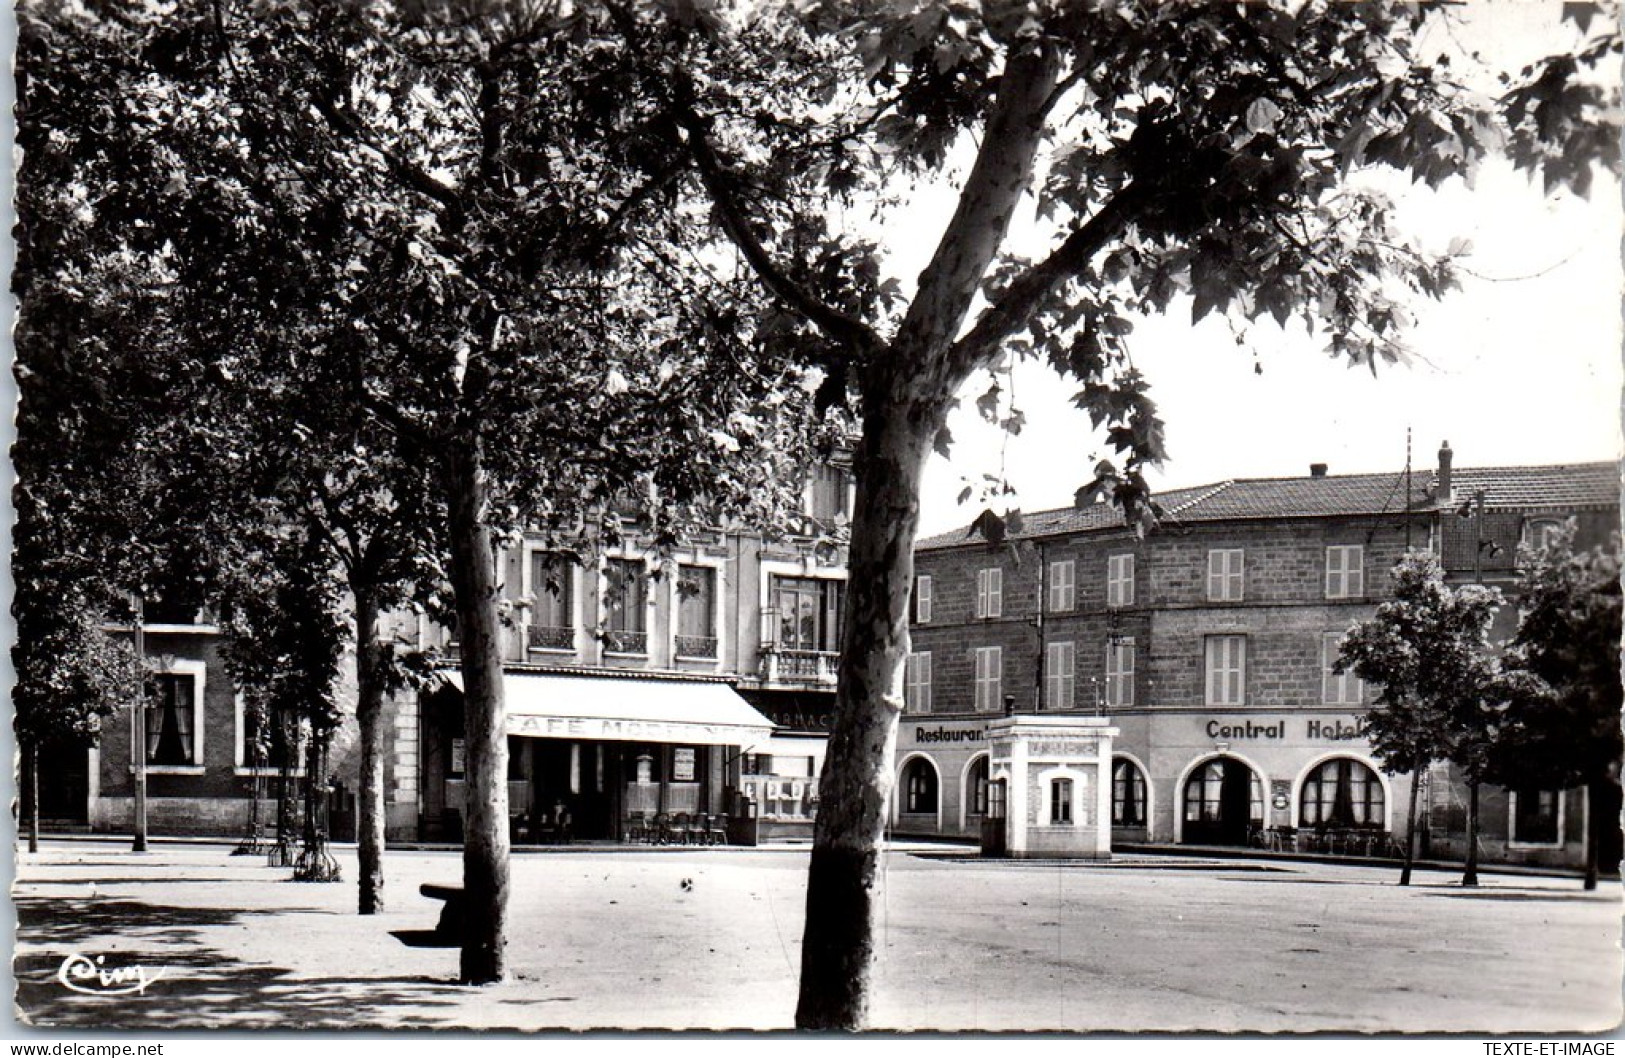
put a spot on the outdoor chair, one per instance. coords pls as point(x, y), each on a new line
point(716, 830)
point(636, 828)
point(660, 833)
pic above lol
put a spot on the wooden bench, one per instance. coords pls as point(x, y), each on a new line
point(450, 926)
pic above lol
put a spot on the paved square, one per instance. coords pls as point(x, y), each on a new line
point(616, 939)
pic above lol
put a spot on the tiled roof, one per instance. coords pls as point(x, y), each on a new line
point(1559, 487)
point(1566, 487)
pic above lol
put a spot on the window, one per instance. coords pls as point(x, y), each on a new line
point(1226, 670)
point(1063, 592)
point(553, 615)
point(922, 599)
point(826, 493)
point(1341, 793)
point(1542, 533)
point(809, 613)
point(174, 720)
point(1128, 794)
point(1537, 817)
point(1224, 574)
point(1345, 571)
point(919, 787)
point(625, 596)
point(976, 788)
point(989, 666)
point(1058, 675)
point(264, 735)
point(1120, 671)
point(917, 683)
point(696, 612)
point(1345, 689)
point(989, 592)
point(1060, 801)
point(1120, 581)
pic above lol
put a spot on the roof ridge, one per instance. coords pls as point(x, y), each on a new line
point(1203, 497)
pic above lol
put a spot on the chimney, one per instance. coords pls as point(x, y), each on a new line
point(1317, 470)
point(1442, 494)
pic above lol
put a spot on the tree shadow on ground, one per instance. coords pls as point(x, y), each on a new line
point(66, 923)
point(205, 989)
point(1566, 895)
point(192, 984)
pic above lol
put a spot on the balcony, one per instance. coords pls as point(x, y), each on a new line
point(805, 667)
point(617, 642)
point(697, 647)
point(546, 637)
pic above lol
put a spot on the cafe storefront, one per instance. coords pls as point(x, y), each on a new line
point(595, 757)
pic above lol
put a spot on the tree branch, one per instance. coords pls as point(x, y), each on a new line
point(850, 332)
point(1024, 296)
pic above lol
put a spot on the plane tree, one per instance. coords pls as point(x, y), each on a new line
point(1200, 157)
point(428, 237)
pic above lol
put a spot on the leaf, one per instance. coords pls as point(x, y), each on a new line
point(943, 443)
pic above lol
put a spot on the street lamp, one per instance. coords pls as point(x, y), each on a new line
point(138, 728)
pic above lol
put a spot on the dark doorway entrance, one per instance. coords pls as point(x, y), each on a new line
point(64, 785)
point(1222, 800)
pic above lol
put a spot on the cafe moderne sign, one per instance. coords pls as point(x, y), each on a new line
point(1314, 729)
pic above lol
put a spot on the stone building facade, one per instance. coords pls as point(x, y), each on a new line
point(1208, 645)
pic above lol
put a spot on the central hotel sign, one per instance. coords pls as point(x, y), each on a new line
point(1316, 730)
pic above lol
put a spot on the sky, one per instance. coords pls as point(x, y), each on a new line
point(1521, 366)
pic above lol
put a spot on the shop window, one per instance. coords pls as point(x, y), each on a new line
point(1341, 793)
point(1345, 571)
point(1226, 670)
point(1063, 592)
point(989, 678)
point(989, 592)
point(696, 612)
point(1120, 581)
point(1128, 794)
point(1224, 574)
point(1537, 817)
point(917, 683)
point(919, 787)
point(922, 599)
point(1058, 675)
point(1060, 801)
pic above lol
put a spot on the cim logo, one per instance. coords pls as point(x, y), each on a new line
point(93, 977)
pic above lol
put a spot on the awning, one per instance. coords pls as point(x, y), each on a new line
point(626, 709)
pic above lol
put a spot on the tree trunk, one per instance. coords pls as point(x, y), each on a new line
point(283, 854)
point(31, 763)
point(1410, 831)
point(369, 719)
point(837, 945)
point(1597, 825)
point(1470, 875)
point(485, 814)
point(316, 863)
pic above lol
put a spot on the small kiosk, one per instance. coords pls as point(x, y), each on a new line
point(1052, 777)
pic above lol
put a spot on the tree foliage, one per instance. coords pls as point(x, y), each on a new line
point(1562, 724)
point(1428, 655)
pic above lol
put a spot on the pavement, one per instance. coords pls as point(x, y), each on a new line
point(188, 936)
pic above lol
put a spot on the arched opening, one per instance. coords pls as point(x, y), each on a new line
point(919, 788)
point(976, 790)
point(1341, 792)
point(1222, 800)
point(1129, 808)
